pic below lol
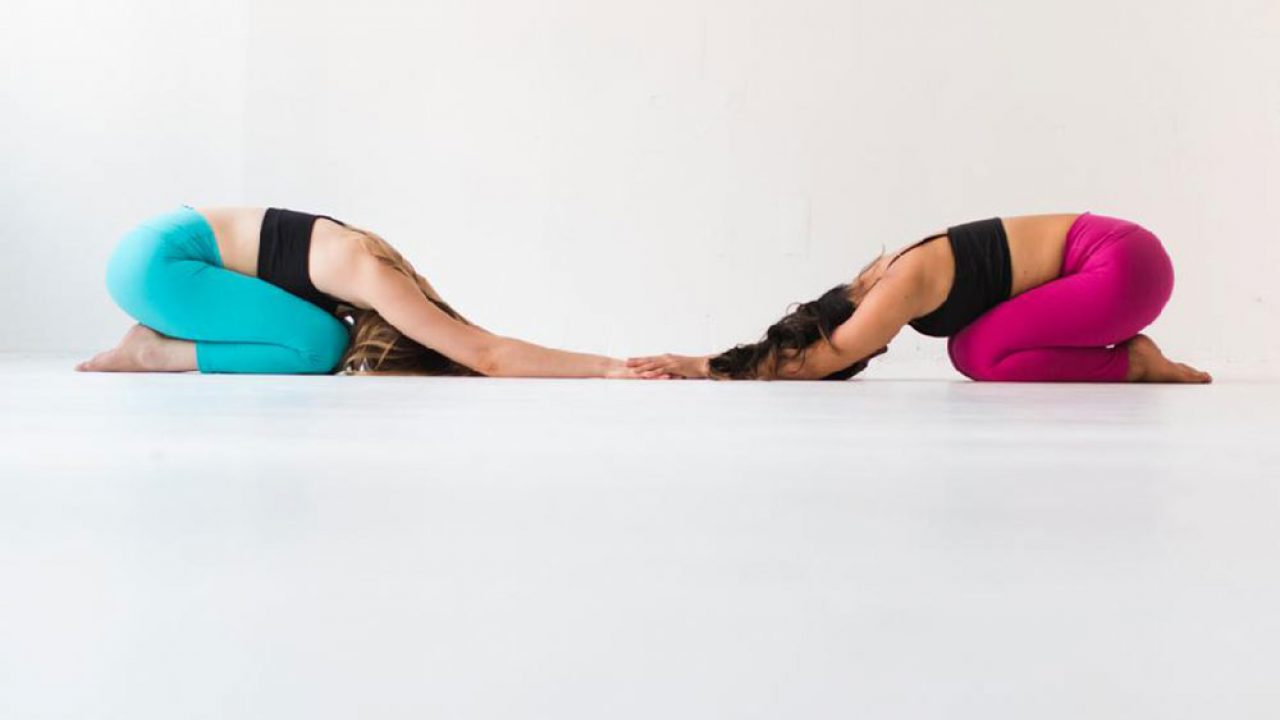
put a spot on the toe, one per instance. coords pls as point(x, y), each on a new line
point(1192, 374)
point(97, 363)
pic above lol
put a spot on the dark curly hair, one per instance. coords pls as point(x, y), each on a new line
point(789, 339)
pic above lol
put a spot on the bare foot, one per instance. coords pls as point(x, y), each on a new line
point(143, 350)
point(1148, 364)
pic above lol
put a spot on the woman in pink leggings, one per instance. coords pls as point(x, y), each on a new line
point(1042, 298)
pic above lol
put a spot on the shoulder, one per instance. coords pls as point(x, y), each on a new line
point(929, 262)
point(910, 283)
point(338, 246)
point(342, 263)
point(910, 268)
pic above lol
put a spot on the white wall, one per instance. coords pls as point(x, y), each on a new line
point(109, 111)
point(630, 177)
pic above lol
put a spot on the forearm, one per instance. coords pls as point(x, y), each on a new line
point(516, 358)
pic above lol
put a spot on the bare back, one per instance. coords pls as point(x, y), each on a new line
point(1036, 244)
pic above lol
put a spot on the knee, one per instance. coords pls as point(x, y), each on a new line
point(1151, 288)
point(134, 270)
point(973, 357)
point(322, 347)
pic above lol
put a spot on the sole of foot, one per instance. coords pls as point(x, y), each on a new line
point(1148, 364)
point(140, 350)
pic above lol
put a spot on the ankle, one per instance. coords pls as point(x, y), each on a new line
point(158, 354)
point(1137, 363)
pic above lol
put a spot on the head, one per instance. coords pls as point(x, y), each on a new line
point(376, 345)
point(787, 340)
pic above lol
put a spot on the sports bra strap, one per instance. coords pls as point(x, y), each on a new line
point(916, 245)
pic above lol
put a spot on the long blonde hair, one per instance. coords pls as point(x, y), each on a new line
point(376, 345)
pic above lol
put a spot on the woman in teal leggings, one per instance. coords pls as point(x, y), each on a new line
point(253, 290)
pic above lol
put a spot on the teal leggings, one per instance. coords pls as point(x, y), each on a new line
point(168, 275)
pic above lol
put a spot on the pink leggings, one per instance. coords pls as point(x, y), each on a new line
point(1116, 278)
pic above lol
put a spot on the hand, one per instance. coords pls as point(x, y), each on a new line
point(621, 370)
point(668, 365)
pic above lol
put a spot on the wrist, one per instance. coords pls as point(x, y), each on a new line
point(704, 366)
point(609, 367)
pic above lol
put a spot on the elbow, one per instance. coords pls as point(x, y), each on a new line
point(491, 360)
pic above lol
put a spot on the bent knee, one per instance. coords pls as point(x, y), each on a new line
point(973, 357)
point(136, 269)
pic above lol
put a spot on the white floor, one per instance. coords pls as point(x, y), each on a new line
point(218, 547)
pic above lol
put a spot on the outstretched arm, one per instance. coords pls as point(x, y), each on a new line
point(399, 300)
point(887, 307)
point(879, 318)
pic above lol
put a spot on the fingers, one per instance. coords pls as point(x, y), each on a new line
point(637, 373)
point(650, 364)
point(658, 367)
point(655, 375)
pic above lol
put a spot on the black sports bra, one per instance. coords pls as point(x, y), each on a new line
point(284, 253)
point(983, 278)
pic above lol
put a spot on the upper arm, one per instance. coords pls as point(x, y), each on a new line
point(886, 308)
point(400, 301)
